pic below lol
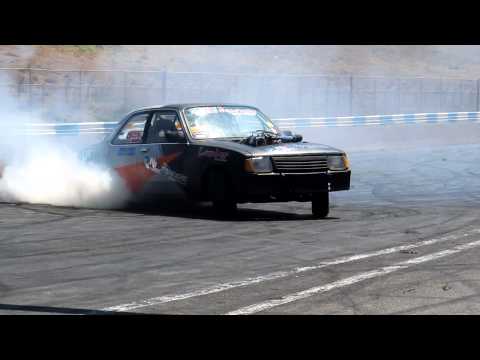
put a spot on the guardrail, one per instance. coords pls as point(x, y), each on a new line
point(90, 128)
point(83, 128)
point(398, 119)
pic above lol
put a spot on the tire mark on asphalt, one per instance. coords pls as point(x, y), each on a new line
point(385, 270)
point(281, 274)
point(62, 216)
point(439, 304)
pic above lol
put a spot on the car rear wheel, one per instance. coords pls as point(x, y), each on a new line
point(220, 193)
point(320, 205)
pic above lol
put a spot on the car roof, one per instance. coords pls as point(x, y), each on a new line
point(187, 105)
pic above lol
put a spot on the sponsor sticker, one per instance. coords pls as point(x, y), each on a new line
point(202, 111)
point(238, 111)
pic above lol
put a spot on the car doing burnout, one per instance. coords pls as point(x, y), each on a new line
point(226, 154)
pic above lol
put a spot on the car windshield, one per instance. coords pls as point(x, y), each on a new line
point(207, 122)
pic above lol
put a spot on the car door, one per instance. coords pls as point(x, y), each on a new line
point(163, 154)
point(125, 155)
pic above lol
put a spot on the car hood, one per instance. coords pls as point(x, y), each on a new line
point(301, 148)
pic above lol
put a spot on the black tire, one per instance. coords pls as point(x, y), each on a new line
point(320, 205)
point(220, 193)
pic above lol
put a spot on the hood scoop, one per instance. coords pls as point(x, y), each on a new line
point(266, 138)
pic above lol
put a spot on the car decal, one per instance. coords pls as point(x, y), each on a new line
point(136, 175)
point(163, 169)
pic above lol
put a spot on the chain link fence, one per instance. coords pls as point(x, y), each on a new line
point(61, 95)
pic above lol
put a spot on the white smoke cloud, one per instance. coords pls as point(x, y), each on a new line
point(44, 173)
point(48, 169)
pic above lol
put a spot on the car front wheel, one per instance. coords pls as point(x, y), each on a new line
point(221, 194)
point(320, 205)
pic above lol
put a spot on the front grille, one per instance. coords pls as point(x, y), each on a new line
point(300, 164)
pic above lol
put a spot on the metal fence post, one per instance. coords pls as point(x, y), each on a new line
point(164, 87)
point(66, 97)
point(351, 95)
point(478, 95)
point(125, 92)
point(30, 98)
point(81, 89)
point(43, 102)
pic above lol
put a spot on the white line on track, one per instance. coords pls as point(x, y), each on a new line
point(281, 274)
point(351, 280)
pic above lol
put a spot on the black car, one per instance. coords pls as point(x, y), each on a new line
point(223, 153)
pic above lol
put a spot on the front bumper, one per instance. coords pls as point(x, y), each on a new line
point(290, 187)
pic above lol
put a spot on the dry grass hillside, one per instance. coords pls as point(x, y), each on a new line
point(424, 61)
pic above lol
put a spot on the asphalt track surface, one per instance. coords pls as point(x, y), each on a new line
point(403, 240)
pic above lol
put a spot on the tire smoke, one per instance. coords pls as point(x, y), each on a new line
point(47, 169)
point(43, 173)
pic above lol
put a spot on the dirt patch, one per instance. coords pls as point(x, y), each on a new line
point(398, 61)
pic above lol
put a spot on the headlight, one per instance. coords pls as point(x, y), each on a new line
point(258, 165)
point(338, 162)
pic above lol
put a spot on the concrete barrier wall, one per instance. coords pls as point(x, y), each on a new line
point(107, 94)
point(304, 96)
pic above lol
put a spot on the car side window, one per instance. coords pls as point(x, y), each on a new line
point(165, 127)
point(132, 131)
